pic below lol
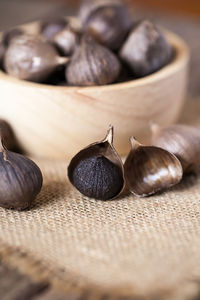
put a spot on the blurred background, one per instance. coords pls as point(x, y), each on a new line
point(191, 7)
point(13, 12)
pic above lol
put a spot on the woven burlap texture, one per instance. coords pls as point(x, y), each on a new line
point(142, 247)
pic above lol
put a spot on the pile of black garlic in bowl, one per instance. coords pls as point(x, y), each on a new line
point(101, 45)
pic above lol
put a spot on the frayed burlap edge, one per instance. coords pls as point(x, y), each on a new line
point(73, 284)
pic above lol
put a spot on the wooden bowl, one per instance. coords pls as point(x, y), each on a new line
point(56, 122)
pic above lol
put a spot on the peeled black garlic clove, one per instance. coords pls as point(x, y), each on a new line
point(146, 50)
point(109, 25)
point(150, 169)
point(181, 140)
point(66, 40)
point(50, 27)
point(9, 35)
point(97, 171)
point(31, 58)
point(20, 180)
point(92, 64)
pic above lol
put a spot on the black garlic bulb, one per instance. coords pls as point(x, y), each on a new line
point(31, 58)
point(87, 7)
point(51, 26)
point(92, 64)
point(146, 49)
point(66, 41)
point(181, 140)
point(20, 180)
point(150, 169)
point(109, 25)
point(97, 171)
point(9, 35)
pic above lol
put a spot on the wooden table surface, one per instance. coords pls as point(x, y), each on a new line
point(16, 286)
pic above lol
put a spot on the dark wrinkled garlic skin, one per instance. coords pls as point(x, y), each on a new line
point(109, 25)
point(181, 140)
point(31, 58)
point(149, 170)
point(9, 35)
point(20, 180)
point(51, 27)
point(146, 49)
point(92, 64)
point(97, 170)
point(66, 41)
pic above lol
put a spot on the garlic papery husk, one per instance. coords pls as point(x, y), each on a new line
point(181, 140)
point(30, 57)
point(150, 169)
point(97, 170)
point(92, 64)
point(146, 49)
point(20, 180)
point(109, 25)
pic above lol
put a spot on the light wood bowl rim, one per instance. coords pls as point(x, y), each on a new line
point(181, 58)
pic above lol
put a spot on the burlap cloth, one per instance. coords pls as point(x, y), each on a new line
point(141, 248)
